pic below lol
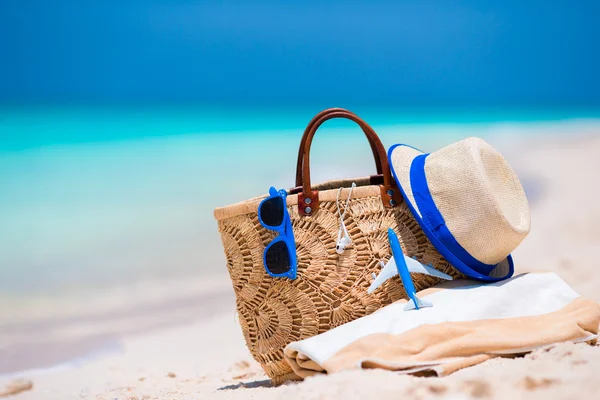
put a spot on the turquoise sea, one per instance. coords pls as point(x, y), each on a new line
point(98, 195)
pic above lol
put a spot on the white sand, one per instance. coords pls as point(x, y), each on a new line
point(188, 345)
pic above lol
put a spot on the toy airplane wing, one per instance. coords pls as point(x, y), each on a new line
point(415, 267)
point(390, 270)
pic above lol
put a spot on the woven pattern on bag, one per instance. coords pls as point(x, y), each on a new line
point(331, 289)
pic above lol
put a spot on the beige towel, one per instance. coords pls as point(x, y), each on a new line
point(469, 323)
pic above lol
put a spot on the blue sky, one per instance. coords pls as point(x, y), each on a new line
point(253, 52)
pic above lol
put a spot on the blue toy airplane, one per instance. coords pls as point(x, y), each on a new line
point(403, 266)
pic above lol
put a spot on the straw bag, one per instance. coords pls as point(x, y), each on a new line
point(330, 288)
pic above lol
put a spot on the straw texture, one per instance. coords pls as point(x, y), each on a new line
point(478, 194)
point(331, 289)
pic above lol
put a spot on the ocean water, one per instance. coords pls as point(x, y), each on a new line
point(93, 196)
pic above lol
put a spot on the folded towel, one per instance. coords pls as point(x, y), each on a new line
point(469, 323)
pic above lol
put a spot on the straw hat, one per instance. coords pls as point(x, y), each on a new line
point(468, 201)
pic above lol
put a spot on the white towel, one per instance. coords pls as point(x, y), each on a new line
point(469, 323)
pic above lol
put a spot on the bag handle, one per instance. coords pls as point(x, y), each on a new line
point(303, 142)
point(308, 199)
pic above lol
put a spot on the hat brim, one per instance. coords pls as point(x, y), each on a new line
point(400, 157)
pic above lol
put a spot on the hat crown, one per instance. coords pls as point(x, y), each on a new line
point(480, 198)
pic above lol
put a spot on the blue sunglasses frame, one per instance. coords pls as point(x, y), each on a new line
point(286, 235)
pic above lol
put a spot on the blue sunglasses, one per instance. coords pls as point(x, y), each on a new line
point(280, 255)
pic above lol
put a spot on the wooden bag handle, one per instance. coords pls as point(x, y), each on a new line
point(308, 199)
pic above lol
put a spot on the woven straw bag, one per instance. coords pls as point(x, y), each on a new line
point(330, 288)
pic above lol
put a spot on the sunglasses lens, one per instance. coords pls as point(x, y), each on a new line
point(271, 211)
point(278, 258)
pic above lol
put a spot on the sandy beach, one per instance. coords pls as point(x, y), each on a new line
point(179, 339)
